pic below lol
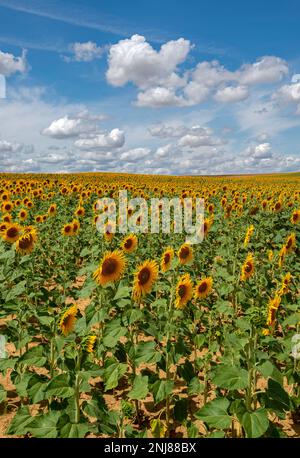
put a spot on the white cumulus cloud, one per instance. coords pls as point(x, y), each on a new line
point(10, 64)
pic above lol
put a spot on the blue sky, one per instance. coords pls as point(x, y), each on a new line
point(152, 87)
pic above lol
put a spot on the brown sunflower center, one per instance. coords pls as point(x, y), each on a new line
point(295, 217)
point(109, 266)
point(277, 205)
point(248, 267)
point(68, 229)
point(144, 276)
point(202, 287)
point(12, 232)
point(25, 242)
point(182, 291)
point(184, 252)
point(167, 258)
point(128, 244)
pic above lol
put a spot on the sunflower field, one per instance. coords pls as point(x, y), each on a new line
point(144, 335)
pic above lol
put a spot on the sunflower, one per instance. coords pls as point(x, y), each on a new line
point(282, 254)
point(38, 218)
point(285, 284)
point(75, 226)
point(79, 211)
point(25, 244)
point(7, 207)
point(185, 254)
point(248, 267)
point(22, 215)
point(248, 234)
point(7, 218)
point(68, 320)
point(270, 255)
point(3, 226)
point(111, 267)
point(67, 230)
point(295, 218)
point(184, 291)
point(52, 209)
point(277, 206)
point(130, 243)
point(272, 309)
point(290, 243)
point(109, 231)
point(89, 344)
point(144, 278)
point(203, 288)
point(167, 259)
point(11, 233)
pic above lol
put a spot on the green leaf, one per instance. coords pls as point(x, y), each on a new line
point(195, 386)
point(161, 389)
point(276, 398)
point(215, 414)
point(186, 371)
point(146, 353)
point(74, 430)
point(20, 421)
point(158, 428)
point(112, 373)
point(181, 410)
point(140, 388)
point(34, 357)
point(36, 388)
point(44, 426)
point(112, 336)
point(267, 369)
point(3, 393)
point(123, 291)
point(255, 423)
point(60, 386)
point(16, 291)
point(230, 377)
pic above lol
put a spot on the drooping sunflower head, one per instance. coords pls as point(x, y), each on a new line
point(130, 243)
point(290, 242)
point(144, 278)
point(247, 268)
point(12, 233)
point(184, 291)
point(89, 344)
point(282, 254)
point(185, 254)
point(75, 226)
point(203, 288)
point(67, 230)
point(25, 243)
point(167, 259)
point(68, 320)
point(295, 218)
point(111, 267)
